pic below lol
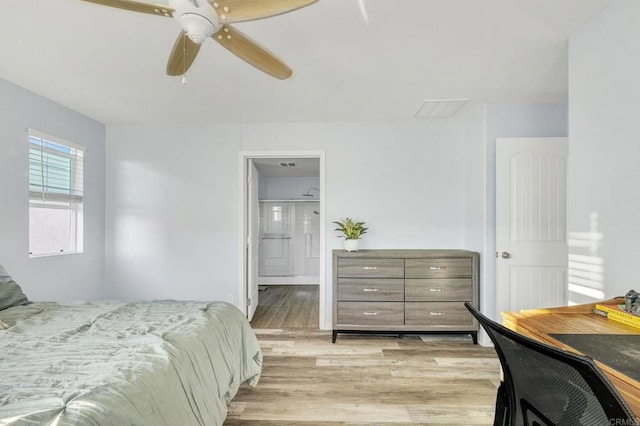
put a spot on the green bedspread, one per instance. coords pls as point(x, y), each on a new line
point(117, 363)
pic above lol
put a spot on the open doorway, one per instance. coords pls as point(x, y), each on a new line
point(283, 239)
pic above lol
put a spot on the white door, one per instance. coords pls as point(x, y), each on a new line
point(253, 238)
point(531, 223)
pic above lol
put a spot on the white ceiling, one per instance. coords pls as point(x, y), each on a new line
point(302, 167)
point(353, 60)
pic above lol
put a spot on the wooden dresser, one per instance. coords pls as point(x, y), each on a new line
point(404, 291)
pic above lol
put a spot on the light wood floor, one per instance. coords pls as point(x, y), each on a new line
point(364, 380)
point(287, 306)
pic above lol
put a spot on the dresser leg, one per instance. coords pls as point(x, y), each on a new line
point(334, 337)
point(474, 336)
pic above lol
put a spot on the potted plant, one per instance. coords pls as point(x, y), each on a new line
point(352, 231)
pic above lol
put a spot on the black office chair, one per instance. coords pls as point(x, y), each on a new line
point(544, 385)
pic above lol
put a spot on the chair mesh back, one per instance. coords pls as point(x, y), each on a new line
point(548, 391)
point(548, 386)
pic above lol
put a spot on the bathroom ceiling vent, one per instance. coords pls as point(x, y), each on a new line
point(438, 108)
point(287, 164)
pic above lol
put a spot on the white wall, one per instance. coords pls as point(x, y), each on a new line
point(172, 212)
point(288, 188)
point(604, 149)
point(173, 219)
point(66, 277)
point(475, 190)
point(406, 180)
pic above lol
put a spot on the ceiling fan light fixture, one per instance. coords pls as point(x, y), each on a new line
point(197, 27)
point(200, 20)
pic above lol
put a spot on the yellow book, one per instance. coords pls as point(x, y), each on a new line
point(616, 313)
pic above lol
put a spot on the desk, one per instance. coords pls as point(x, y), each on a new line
point(539, 324)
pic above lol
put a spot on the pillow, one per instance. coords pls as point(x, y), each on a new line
point(10, 292)
point(4, 276)
point(11, 295)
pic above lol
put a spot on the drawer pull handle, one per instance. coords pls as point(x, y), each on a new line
point(369, 289)
point(370, 314)
point(437, 268)
point(369, 268)
point(437, 290)
point(436, 314)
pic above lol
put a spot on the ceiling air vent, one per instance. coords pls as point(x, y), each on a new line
point(439, 108)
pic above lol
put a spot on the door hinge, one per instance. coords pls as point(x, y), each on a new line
point(248, 301)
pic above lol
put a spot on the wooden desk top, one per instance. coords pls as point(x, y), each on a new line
point(580, 319)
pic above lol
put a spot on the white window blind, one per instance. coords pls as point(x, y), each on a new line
point(56, 195)
point(55, 169)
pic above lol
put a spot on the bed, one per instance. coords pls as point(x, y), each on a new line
point(121, 363)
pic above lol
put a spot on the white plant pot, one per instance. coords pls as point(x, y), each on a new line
point(351, 245)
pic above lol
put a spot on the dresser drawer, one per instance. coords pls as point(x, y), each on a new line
point(438, 314)
point(438, 268)
point(436, 290)
point(372, 268)
point(371, 289)
point(371, 313)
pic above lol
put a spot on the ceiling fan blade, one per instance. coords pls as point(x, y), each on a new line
point(182, 55)
point(231, 11)
point(251, 52)
point(136, 6)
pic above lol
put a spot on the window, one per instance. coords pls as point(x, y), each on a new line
point(277, 213)
point(55, 195)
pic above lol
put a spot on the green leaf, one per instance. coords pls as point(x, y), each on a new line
point(350, 229)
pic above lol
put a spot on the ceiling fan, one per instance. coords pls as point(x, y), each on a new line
point(201, 19)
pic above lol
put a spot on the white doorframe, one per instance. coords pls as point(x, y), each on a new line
point(242, 282)
point(253, 238)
